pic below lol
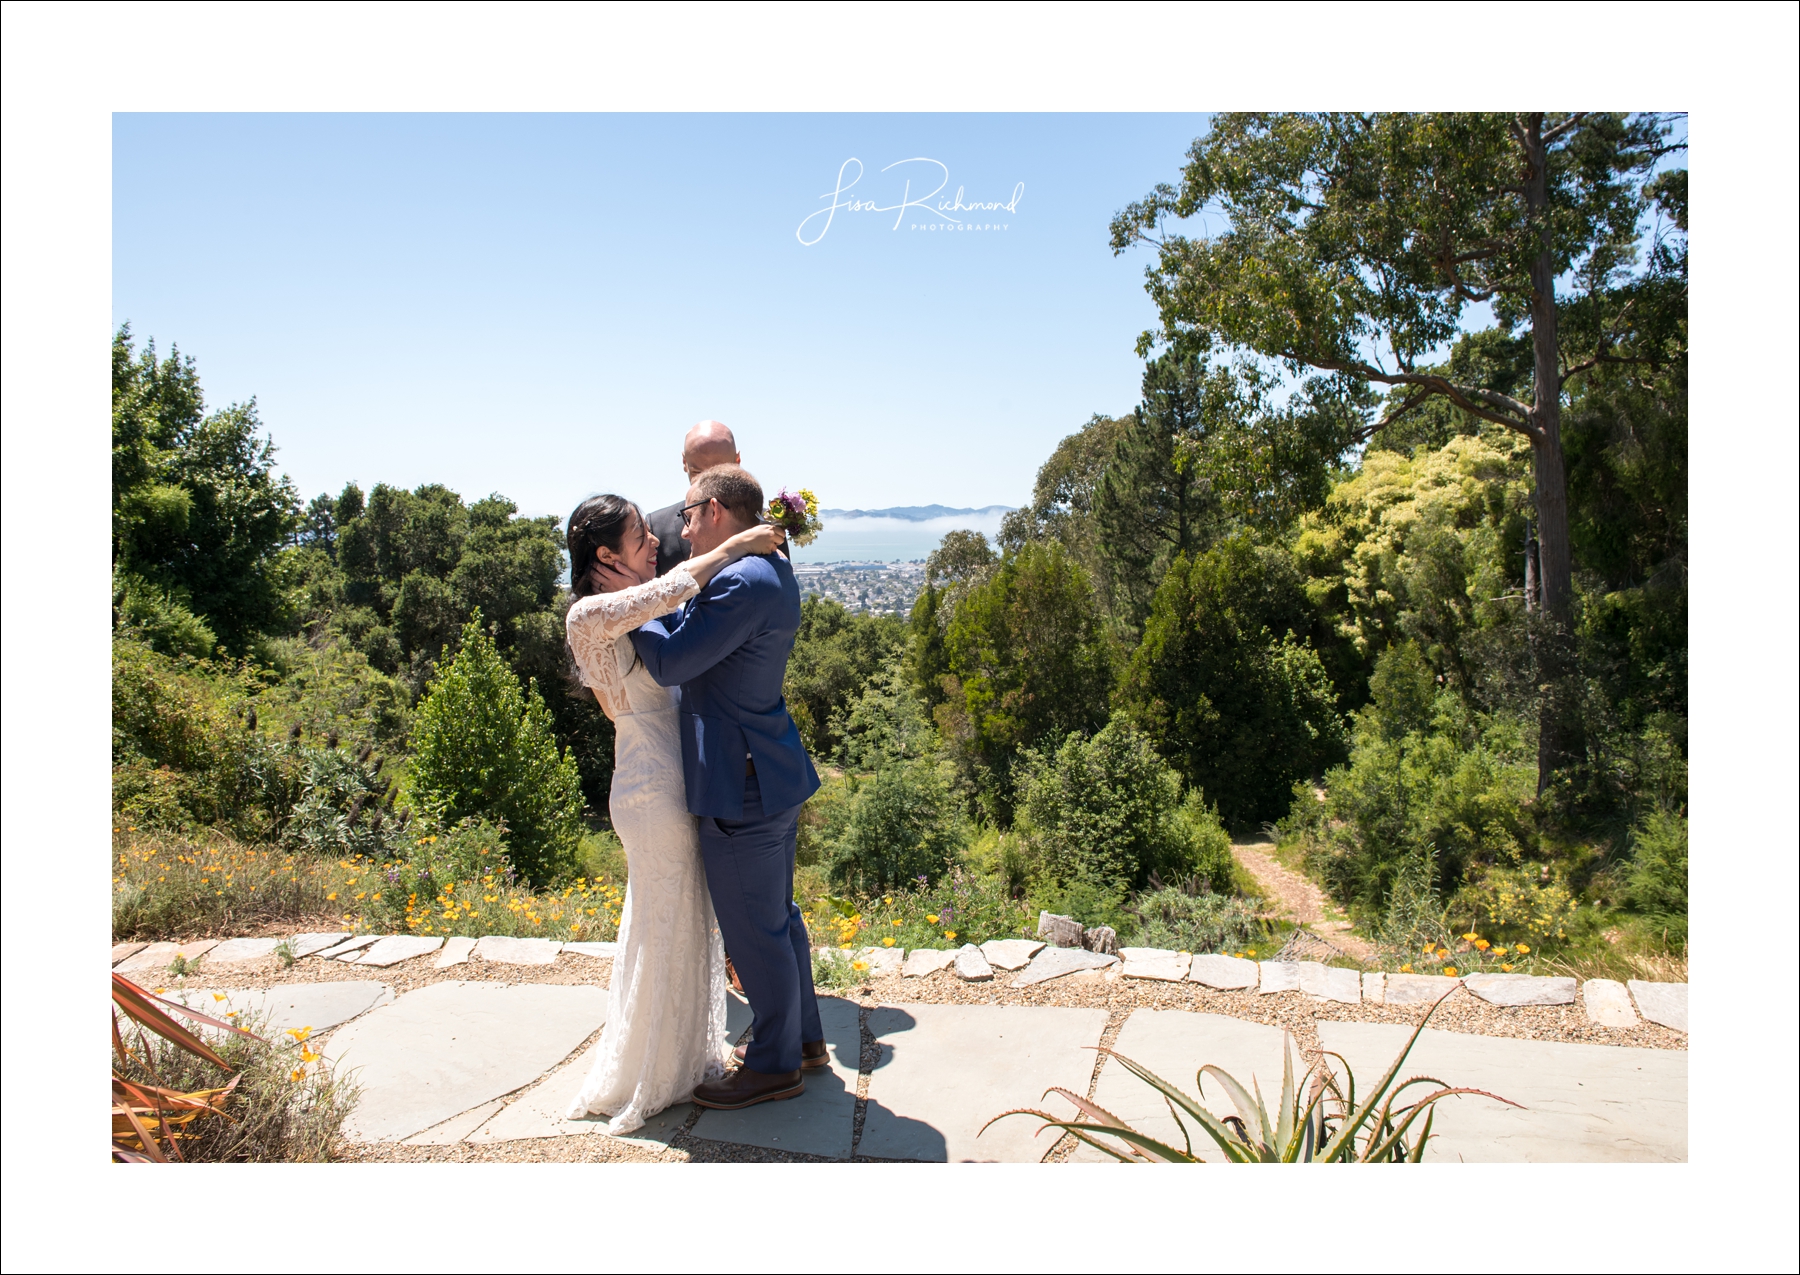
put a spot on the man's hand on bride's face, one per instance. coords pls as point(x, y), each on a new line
point(613, 576)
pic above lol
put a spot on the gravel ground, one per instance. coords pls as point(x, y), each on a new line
point(1461, 1011)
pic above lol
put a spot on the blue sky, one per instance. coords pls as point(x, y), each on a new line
point(540, 304)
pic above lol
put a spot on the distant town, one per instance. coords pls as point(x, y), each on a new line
point(872, 588)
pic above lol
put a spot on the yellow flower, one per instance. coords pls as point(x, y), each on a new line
point(895, 921)
point(300, 1033)
point(308, 1056)
point(218, 996)
point(1521, 949)
point(951, 935)
point(1251, 953)
point(331, 897)
point(932, 919)
point(1450, 970)
point(296, 1075)
point(1506, 969)
point(1481, 945)
point(888, 899)
point(887, 942)
point(1406, 969)
point(859, 966)
point(1469, 937)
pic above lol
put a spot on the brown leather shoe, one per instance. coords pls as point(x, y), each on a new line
point(812, 1054)
point(745, 1088)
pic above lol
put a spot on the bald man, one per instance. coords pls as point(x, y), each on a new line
point(707, 444)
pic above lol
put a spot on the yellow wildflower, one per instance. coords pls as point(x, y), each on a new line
point(1506, 969)
point(932, 919)
point(887, 942)
point(1481, 945)
point(1521, 949)
point(1450, 970)
point(951, 935)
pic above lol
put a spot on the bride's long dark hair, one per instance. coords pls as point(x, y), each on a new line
point(597, 521)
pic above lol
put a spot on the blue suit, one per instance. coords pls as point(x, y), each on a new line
point(747, 776)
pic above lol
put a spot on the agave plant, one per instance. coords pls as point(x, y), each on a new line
point(1325, 1130)
point(149, 1120)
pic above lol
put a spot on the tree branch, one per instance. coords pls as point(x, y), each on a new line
point(1487, 405)
point(1564, 127)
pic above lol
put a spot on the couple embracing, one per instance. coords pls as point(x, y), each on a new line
point(708, 780)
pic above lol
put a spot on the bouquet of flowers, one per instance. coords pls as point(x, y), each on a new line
point(797, 512)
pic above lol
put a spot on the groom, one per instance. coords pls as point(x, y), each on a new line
point(747, 776)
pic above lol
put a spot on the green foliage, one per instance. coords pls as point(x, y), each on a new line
point(899, 825)
point(343, 808)
point(838, 971)
point(1461, 782)
point(1063, 498)
point(1414, 919)
point(156, 618)
point(1105, 813)
point(836, 653)
point(1195, 920)
point(961, 907)
point(198, 510)
point(1657, 880)
point(1241, 712)
point(483, 746)
point(1026, 663)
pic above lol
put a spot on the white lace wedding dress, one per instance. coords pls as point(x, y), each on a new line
point(665, 1014)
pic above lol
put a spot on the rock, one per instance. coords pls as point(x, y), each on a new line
point(1227, 973)
point(945, 1071)
point(1329, 983)
point(456, 952)
point(1664, 1003)
point(1373, 989)
point(399, 947)
point(511, 951)
point(1418, 989)
point(291, 1006)
point(971, 966)
point(122, 950)
point(1156, 963)
point(1010, 954)
point(599, 951)
point(1607, 1003)
point(1280, 976)
point(1060, 931)
point(159, 956)
point(882, 960)
point(337, 951)
point(926, 960)
point(310, 944)
point(233, 951)
point(1578, 1103)
point(1521, 989)
point(1102, 938)
point(1054, 962)
point(453, 1046)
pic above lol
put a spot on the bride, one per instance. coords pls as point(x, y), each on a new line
point(665, 1013)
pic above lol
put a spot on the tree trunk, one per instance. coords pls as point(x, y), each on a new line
point(1558, 734)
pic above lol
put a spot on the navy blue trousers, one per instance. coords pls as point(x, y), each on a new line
point(750, 874)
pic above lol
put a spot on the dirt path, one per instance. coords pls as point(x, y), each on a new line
point(1299, 899)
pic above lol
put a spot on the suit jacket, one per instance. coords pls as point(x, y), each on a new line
point(728, 651)
point(665, 525)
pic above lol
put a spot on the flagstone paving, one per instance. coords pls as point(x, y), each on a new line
point(446, 1048)
point(1173, 1044)
point(475, 1062)
point(820, 1121)
point(946, 1070)
point(1581, 1102)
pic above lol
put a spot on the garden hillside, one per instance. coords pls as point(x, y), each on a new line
point(1406, 594)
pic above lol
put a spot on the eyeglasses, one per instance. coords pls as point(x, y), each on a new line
point(696, 505)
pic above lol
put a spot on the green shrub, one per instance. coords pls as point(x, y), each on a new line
point(1194, 920)
point(483, 746)
point(1462, 783)
point(1657, 880)
point(901, 824)
point(344, 808)
point(962, 907)
point(1107, 812)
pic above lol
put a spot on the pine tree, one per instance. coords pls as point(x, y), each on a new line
point(484, 746)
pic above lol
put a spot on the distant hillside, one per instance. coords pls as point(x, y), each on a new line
point(916, 513)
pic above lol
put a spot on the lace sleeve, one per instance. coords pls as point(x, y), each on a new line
point(596, 620)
